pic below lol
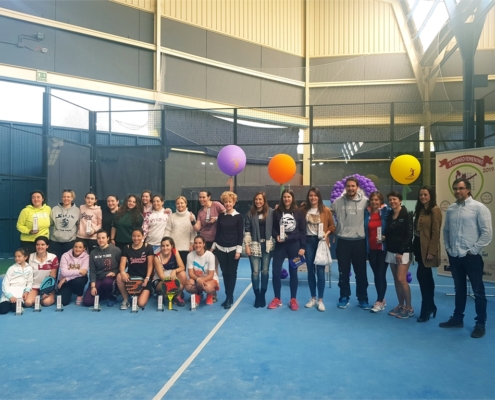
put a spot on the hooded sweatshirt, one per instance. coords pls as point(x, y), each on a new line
point(103, 261)
point(70, 265)
point(25, 222)
point(350, 216)
point(89, 215)
point(64, 221)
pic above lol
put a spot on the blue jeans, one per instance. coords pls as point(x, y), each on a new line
point(264, 263)
point(282, 251)
point(472, 266)
point(311, 247)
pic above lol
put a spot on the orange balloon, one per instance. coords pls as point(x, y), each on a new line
point(282, 168)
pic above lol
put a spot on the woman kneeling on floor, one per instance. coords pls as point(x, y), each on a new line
point(44, 264)
point(73, 273)
point(202, 275)
point(137, 258)
point(168, 263)
point(103, 268)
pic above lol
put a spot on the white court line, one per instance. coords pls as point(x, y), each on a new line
point(163, 391)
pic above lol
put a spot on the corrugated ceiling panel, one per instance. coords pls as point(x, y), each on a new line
point(146, 5)
point(276, 24)
point(348, 27)
point(487, 39)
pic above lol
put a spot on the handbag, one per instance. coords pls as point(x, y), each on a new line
point(297, 262)
point(323, 256)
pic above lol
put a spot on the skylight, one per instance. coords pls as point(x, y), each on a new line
point(428, 20)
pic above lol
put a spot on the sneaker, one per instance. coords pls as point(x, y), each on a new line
point(179, 301)
point(405, 312)
point(209, 299)
point(377, 307)
point(293, 304)
point(111, 303)
point(275, 303)
point(320, 306)
point(396, 310)
point(343, 302)
point(364, 305)
point(215, 298)
point(198, 299)
point(125, 305)
point(451, 323)
point(478, 331)
point(311, 303)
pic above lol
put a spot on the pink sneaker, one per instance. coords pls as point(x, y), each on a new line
point(275, 303)
point(293, 305)
point(209, 299)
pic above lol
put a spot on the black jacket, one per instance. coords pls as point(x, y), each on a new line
point(400, 232)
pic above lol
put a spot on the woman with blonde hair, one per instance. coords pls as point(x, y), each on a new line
point(179, 227)
point(64, 220)
point(228, 244)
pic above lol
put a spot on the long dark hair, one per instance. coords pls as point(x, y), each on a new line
point(264, 210)
point(136, 212)
point(307, 206)
point(431, 204)
point(293, 205)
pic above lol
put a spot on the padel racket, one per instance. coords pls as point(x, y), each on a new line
point(134, 286)
point(170, 288)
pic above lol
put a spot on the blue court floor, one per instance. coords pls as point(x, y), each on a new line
point(248, 353)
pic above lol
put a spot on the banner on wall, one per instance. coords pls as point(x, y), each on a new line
point(477, 166)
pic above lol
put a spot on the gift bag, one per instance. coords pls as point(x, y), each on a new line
point(323, 256)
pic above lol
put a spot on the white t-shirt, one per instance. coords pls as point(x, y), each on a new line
point(312, 222)
point(201, 265)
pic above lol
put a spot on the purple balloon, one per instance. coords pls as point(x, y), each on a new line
point(284, 274)
point(409, 277)
point(365, 184)
point(231, 160)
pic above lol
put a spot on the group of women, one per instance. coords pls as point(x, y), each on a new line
point(141, 239)
point(393, 236)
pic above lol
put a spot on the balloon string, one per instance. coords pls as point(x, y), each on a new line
point(282, 188)
point(230, 182)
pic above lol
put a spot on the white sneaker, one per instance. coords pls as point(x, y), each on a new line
point(378, 306)
point(125, 305)
point(311, 303)
point(320, 306)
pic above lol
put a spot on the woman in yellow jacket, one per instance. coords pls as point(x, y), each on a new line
point(34, 221)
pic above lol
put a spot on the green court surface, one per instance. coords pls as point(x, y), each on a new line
point(5, 264)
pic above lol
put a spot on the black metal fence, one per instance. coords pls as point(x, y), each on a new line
point(173, 151)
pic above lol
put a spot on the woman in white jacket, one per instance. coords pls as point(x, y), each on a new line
point(73, 274)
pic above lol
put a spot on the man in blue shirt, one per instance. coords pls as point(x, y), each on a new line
point(468, 228)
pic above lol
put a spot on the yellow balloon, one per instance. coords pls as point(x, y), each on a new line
point(405, 169)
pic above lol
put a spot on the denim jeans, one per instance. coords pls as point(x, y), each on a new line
point(472, 266)
point(311, 247)
point(262, 262)
point(282, 251)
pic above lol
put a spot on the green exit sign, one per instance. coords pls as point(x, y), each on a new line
point(41, 76)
